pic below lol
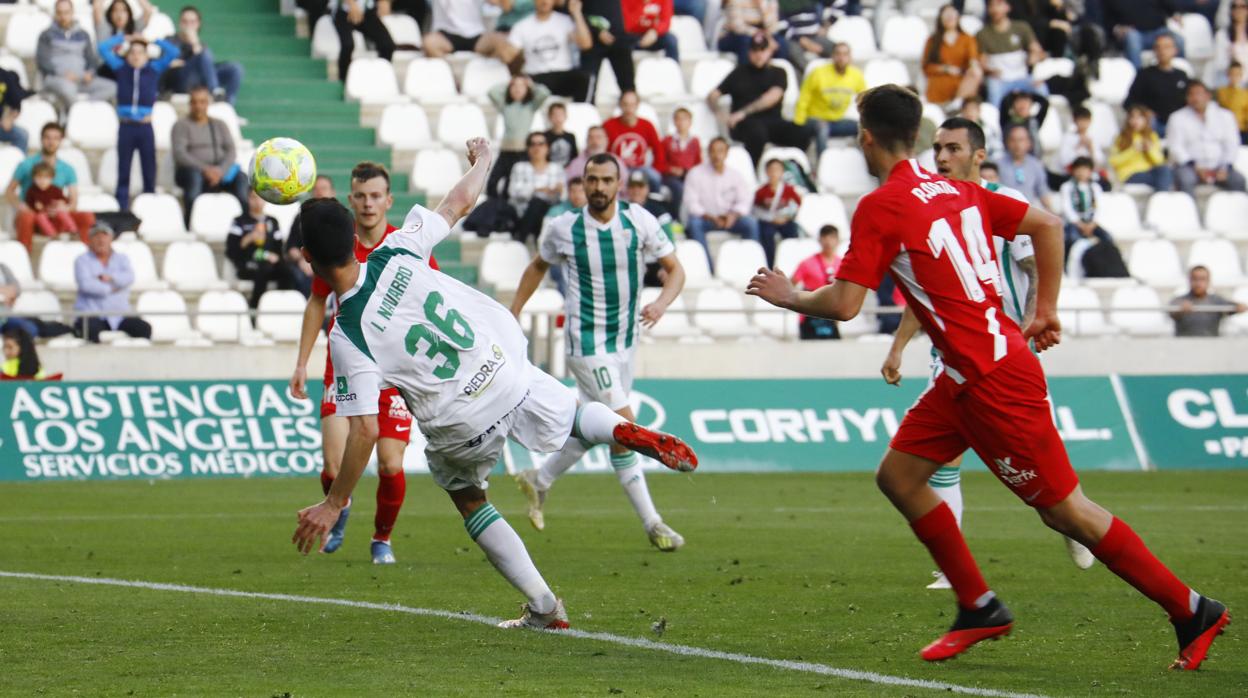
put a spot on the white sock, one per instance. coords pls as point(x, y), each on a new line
point(596, 423)
point(508, 555)
point(567, 457)
point(948, 485)
point(633, 480)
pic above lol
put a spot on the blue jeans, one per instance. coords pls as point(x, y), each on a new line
point(738, 44)
point(132, 137)
point(18, 137)
point(998, 89)
point(21, 323)
point(841, 128)
point(200, 69)
point(767, 237)
point(1134, 43)
point(675, 185)
point(665, 43)
point(692, 8)
point(699, 226)
point(191, 180)
point(1160, 178)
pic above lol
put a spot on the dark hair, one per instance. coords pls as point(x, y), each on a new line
point(829, 229)
point(191, 8)
point(557, 105)
point(678, 110)
point(367, 170)
point(42, 167)
point(1014, 127)
point(933, 49)
point(27, 357)
point(51, 126)
point(974, 134)
point(325, 177)
point(528, 91)
point(108, 17)
point(1198, 267)
point(1234, 64)
point(602, 159)
point(718, 139)
point(770, 162)
point(328, 232)
point(529, 138)
point(200, 88)
point(577, 181)
point(989, 165)
point(891, 113)
point(1196, 83)
point(1080, 112)
point(1082, 161)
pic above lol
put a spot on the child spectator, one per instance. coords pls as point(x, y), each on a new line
point(20, 358)
point(49, 203)
point(1234, 98)
point(1022, 108)
point(254, 247)
point(1137, 156)
point(683, 152)
point(775, 207)
point(989, 172)
point(138, 82)
point(1079, 142)
point(562, 144)
point(817, 271)
point(1090, 250)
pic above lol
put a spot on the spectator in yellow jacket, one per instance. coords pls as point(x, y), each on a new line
point(1137, 157)
point(827, 93)
point(1234, 98)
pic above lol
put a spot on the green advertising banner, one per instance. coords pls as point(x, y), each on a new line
point(1191, 421)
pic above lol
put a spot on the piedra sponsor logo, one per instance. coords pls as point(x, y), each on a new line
point(483, 378)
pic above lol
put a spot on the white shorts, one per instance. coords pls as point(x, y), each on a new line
point(605, 378)
point(541, 422)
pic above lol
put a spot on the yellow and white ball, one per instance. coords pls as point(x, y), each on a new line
point(282, 171)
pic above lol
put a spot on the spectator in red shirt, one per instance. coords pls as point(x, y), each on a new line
point(49, 202)
point(817, 271)
point(775, 207)
point(647, 21)
point(636, 141)
point(683, 153)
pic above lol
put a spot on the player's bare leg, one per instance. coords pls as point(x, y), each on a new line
point(903, 478)
point(391, 490)
point(333, 442)
point(1197, 619)
point(507, 553)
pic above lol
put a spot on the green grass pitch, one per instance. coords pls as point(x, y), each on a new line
point(816, 568)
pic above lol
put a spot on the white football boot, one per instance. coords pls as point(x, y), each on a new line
point(555, 620)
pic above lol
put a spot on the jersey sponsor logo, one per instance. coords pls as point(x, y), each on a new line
point(926, 191)
point(398, 408)
point(631, 148)
point(1014, 477)
point(483, 377)
point(341, 385)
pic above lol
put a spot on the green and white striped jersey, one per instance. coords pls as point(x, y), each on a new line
point(605, 264)
point(458, 357)
point(1015, 283)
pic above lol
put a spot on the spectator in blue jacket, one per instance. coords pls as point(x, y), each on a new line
point(138, 81)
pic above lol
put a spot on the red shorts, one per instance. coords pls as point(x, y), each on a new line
point(393, 419)
point(1007, 419)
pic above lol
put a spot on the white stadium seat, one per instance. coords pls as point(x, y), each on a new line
point(98, 202)
point(459, 122)
point(792, 83)
point(92, 124)
point(160, 26)
point(166, 312)
point(1136, 309)
point(190, 265)
point(281, 315)
point(430, 81)
point(884, 71)
point(12, 63)
point(435, 172)
point(164, 116)
point(606, 88)
point(818, 210)
point(10, 158)
point(690, 37)
point(160, 216)
point(482, 75)
point(1117, 213)
point(737, 261)
point(78, 160)
point(793, 251)
point(17, 259)
point(107, 179)
point(285, 215)
point(659, 80)
point(1156, 262)
point(1079, 309)
point(1174, 216)
point(41, 304)
point(372, 80)
point(739, 159)
point(1241, 159)
point(22, 34)
point(858, 33)
point(538, 318)
point(56, 264)
point(325, 42)
point(1051, 132)
point(581, 117)
point(721, 313)
point(770, 319)
point(707, 74)
point(224, 111)
point(212, 215)
point(1238, 323)
point(1104, 127)
point(675, 322)
point(403, 29)
point(404, 127)
point(692, 256)
point(1226, 214)
point(783, 153)
point(141, 261)
point(223, 328)
point(971, 24)
point(904, 37)
point(1117, 74)
point(1197, 37)
point(1052, 68)
point(502, 264)
point(36, 111)
point(1221, 258)
point(843, 171)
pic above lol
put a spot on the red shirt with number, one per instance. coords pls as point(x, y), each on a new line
point(934, 235)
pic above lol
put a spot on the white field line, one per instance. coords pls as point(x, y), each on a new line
point(639, 643)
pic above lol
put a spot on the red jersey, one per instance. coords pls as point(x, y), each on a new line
point(632, 143)
point(934, 236)
point(642, 15)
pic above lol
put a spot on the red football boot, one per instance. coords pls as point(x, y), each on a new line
point(991, 621)
point(1198, 633)
point(665, 448)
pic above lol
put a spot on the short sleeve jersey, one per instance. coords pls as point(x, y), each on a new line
point(458, 358)
point(747, 83)
point(932, 234)
point(1015, 284)
point(606, 265)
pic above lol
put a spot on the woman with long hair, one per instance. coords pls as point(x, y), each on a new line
point(951, 60)
point(1137, 157)
point(1230, 45)
point(517, 100)
point(118, 18)
point(20, 358)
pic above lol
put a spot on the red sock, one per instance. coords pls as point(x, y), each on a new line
point(390, 492)
point(1125, 555)
point(938, 530)
point(327, 481)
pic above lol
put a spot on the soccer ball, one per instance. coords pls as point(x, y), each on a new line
point(282, 171)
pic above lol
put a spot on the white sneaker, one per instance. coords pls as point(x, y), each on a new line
point(526, 480)
point(664, 538)
point(555, 620)
point(1079, 554)
point(942, 582)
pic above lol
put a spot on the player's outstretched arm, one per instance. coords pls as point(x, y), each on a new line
point(891, 370)
point(463, 196)
point(673, 284)
point(315, 521)
point(1045, 230)
point(840, 300)
point(529, 281)
point(313, 318)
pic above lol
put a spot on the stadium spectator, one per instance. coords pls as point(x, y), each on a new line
point(517, 100)
point(972, 108)
point(814, 272)
point(314, 9)
point(690, 8)
point(300, 269)
point(66, 179)
point(1062, 28)
point(197, 65)
point(1203, 140)
point(1079, 141)
point(138, 80)
point(104, 278)
point(802, 32)
point(775, 207)
point(360, 16)
point(1137, 156)
point(1022, 170)
point(639, 193)
point(118, 18)
point(21, 360)
point(636, 141)
point(1189, 319)
point(11, 95)
point(611, 43)
point(951, 60)
point(574, 200)
point(10, 289)
point(546, 39)
point(512, 11)
point(457, 25)
point(1233, 97)
point(533, 187)
point(254, 247)
point(1162, 87)
point(1135, 24)
point(204, 156)
point(826, 94)
point(718, 198)
point(595, 142)
point(756, 90)
point(647, 23)
point(743, 21)
point(1022, 108)
point(683, 152)
point(1230, 44)
point(563, 147)
point(1090, 251)
point(989, 173)
point(1007, 49)
point(49, 202)
point(67, 60)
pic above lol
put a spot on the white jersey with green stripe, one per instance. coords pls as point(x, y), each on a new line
point(605, 264)
point(458, 357)
point(1014, 281)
